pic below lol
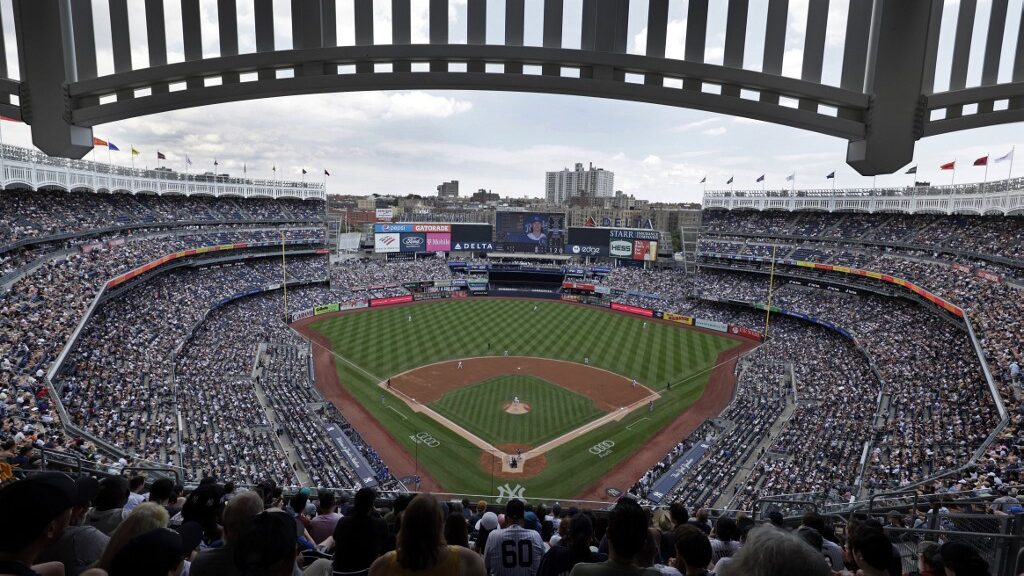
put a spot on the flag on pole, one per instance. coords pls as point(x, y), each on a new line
point(948, 166)
point(326, 173)
point(274, 168)
point(704, 180)
point(160, 155)
point(215, 162)
point(760, 178)
point(110, 146)
point(1005, 157)
point(97, 142)
point(135, 151)
point(729, 181)
point(188, 161)
point(911, 170)
point(303, 171)
point(983, 161)
point(791, 177)
point(243, 168)
point(831, 175)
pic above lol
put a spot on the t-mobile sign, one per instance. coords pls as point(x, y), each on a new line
point(439, 242)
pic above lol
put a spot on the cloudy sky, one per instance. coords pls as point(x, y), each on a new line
point(408, 142)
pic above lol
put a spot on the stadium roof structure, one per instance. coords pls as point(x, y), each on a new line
point(884, 103)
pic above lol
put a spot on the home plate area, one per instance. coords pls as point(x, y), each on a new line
point(515, 409)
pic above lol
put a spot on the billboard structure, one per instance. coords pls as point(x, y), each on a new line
point(531, 231)
point(638, 244)
point(420, 238)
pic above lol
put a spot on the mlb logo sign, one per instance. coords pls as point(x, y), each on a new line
point(386, 243)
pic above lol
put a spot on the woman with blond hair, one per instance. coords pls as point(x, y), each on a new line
point(421, 549)
point(143, 518)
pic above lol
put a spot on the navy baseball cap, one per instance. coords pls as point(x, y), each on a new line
point(34, 502)
point(515, 509)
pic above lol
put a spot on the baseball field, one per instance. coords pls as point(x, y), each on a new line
point(451, 390)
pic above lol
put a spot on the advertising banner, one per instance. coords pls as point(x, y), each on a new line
point(632, 309)
point(435, 228)
point(578, 286)
point(745, 332)
point(620, 249)
point(711, 325)
point(673, 317)
point(570, 297)
point(645, 250)
point(413, 242)
point(303, 314)
point(375, 302)
point(385, 214)
point(352, 305)
point(353, 456)
point(581, 250)
point(438, 242)
point(385, 243)
point(430, 296)
point(989, 276)
point(459, 294)
point(474, 246)
point(325, 308)
point(675, 473)
point(115, 242)
point(385, 228)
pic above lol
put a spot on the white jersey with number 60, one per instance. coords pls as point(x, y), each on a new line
point(513, 551)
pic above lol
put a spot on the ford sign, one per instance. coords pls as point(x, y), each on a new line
point(412, 242)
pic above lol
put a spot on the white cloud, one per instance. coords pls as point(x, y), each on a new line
point(716, 131)
point(652, 160)
point(697, 124)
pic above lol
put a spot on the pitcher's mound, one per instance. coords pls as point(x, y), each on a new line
point(521, 408)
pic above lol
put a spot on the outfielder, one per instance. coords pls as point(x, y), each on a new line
point(460, 364)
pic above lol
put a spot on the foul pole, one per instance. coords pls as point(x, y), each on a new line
point(284, 274)
point(771, 284)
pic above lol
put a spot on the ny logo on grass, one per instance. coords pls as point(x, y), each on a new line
point(507, 493)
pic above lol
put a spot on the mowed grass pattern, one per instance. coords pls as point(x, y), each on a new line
point(374, 344)
point(553, 410)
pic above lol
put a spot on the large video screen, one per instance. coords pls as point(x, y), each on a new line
point(625, 243)
point(531, 231)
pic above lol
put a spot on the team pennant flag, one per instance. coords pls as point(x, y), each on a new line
point(160, 155)
point(911, 170)
point(831, 175)
point(791, 177)
point(704, 180)
point(983, 161)
point(326, 173)
point(135, 151)
point(188, 161)
point(303, 171)
point(948, 166)
point(729, 181)
point(1004, 158)
point(760, 178)
point(98, 142)
point(110, 146)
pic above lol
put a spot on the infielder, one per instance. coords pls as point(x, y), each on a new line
point(634, 382)
point(460, 364)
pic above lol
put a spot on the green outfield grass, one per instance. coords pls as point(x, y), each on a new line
point(480, 408)
point(374, 344)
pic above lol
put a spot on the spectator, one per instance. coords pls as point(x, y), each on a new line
point(159, 552)
point(513, 550)
point(267, 547)
point(961, 560)
point(693, 550)
point(627, 532)
point(456, 532)
point(769, 551)
point(359, 536)
point(723, 542)
point(929, 559)
point(135, 496)
point(488, 523)
point(36, 512)
point(239, 513)
point(871, 550)
point(79, 547)
point(108, 507)
point(650, 555)
point(573, 549)
point(144, 518)
point(322, 526)
point(421, 547)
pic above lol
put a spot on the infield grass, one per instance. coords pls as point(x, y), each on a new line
point(480, 408)
point(373, 344)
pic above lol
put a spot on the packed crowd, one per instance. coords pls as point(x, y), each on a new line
point(39, 213)
point(385, 278)
point(117, 526)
